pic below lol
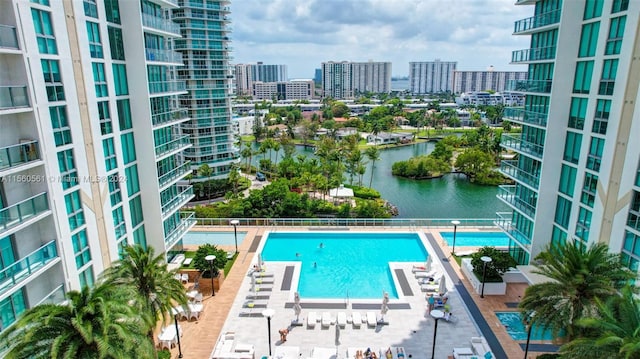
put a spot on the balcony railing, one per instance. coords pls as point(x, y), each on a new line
point(8, 37)
point(160, 23)
point(17, 272)
point(170, 116)
point(511, 169)
point(13, 97)
point(535, 86)
point(180, 142)
point(503, 220)
point(534, 22)
point(350, 222)
point(167, 86)
point(203, 5)
point(536, 54)
point(518, 144)
point(22, 211)
point(520, 115)
point(163, 55)
point(19, 154)
point(186, 222)
point(56, 296)
point(508, 195)
point(184, 196)
point(174, 174)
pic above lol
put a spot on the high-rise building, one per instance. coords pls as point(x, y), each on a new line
point(244, 79)
point(336, 80)
point(287, 90)
point(471, 81)
point(431, 77)
point(577, 174)
point(343, 80)
point(204, 45)
point(90, 142)
point(247, 74)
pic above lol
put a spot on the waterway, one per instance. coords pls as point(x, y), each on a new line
point(451, 196)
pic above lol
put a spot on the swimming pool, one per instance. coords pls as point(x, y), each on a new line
point(477, 239)
point(512, 321)
point(353, 264)
point(216, 238)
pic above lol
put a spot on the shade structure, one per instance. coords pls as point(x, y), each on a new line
point(442, 288)
point(297, 308)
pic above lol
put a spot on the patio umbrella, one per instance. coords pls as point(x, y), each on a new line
point(443, 285)
point(385, 306)
point(259, 261)
point(337, 339)
point(253, 283)
point(427, 265)
point(297, 308)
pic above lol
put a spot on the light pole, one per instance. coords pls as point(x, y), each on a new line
point(268, 313)
point(486, 260)
point(530, 321)
point(234, 223)
point(175, 320)
point(455, 229)
point(211, 258)
point(437, 314)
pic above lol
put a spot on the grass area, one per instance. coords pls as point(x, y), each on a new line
point(227, 267)
point(458, 259)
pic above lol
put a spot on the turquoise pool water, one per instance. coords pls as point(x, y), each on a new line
point(353, 264)
point(477, 239)
point(516, 329)
point(220, 238)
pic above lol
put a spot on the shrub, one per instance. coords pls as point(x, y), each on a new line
point(500, 263)
point(366, 193)
point(164, 354)
point(201, 264)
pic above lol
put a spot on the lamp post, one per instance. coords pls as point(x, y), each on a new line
point(437, 314)
point(455, 229)
point(485, 260)
point(211, 258)
point(530, 321)
point(175, 320)
point(234, 223)
point(268, 313)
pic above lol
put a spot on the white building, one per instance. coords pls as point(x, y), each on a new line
point(286, 90)
point(581, 119)
point(374, 77)
point(247, 74)
point(490, 80)
point(336, 80)
point(431, 77)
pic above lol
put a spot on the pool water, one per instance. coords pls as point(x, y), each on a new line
point(477, 239)
point(215, 238)
point(512, 321)
point(354, 265)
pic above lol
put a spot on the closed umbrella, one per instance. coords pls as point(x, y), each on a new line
point(260, 262)
point(385, 306)
point(297, 308)
point(337, 340)
point(443, 285)
point(427, 265)
point(253, 283)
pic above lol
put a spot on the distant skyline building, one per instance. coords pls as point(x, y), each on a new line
point(490, 80)
point(431, 76)
point(317, 78)
point(336, 80)
point(285, 90)
point(347, 79)
point(247, 74)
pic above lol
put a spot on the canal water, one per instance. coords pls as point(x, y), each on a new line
point(451, 196)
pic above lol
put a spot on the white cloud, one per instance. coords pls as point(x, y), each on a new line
point(304, 33)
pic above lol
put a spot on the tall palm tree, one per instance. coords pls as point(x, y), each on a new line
point(614, 332)
point(373, 154)
point(577, 277)
point(156, 288)
point(95, 323)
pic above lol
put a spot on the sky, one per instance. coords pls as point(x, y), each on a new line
point(304, 33)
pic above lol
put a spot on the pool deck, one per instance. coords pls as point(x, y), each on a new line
point(408, 328)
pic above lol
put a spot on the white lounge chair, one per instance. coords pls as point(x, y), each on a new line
point(342, 319)
point(371, 319)
point(429, 274)
point(326, 319)
point(312, 318)
point(184, 278)
point(357, 319)
point(432, 288)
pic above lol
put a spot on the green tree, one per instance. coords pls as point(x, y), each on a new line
point(473, 162)
point(500, 262)
point(577, 277)
point(373, 154)
point(339, 109)
point(201, 264)
point(95, 322)
point(206, 172)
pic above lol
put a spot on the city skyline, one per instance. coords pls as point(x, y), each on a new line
point(303, 34)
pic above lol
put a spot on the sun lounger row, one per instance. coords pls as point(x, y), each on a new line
point(383, 353)
point(356, 319)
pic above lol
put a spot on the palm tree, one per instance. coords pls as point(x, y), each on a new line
point(577, 277)
point(373, 154)
point(614, 332)
point(94, 323)
point(156, 288)
point(206, 172)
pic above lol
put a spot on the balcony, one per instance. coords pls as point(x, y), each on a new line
point(511, 169)
point(22, 212)
point(503, 221)
point(533, 86)
point(19, 271)
point(8, 38)
point(525, 26)
point(186, 223)
point(159, 87)
point(161, 24)
point(531, 55)
point(56, 296)
point(174, 174)
point(508, 195)
point(173, 145)
point(13, 97)
point(521, 116)
point(178, 201)
point(169, 117)
point(158, 55)
point(522, 146)
point(19, 154)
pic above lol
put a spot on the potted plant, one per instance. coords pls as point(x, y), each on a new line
point(204, 266)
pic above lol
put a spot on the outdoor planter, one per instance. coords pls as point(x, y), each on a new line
point(204, 284)
point(490, 288)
